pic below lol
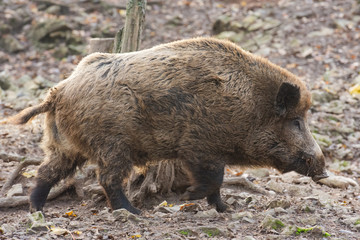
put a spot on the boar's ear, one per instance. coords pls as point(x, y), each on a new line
point(287, 98)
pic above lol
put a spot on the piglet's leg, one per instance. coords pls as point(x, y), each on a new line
point(111, 178)
point(207, 178)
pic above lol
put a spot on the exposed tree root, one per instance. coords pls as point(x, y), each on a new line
point(23, 164)
point(244, 183)
point(23, 200)
point(11, 157)
point(156, 180)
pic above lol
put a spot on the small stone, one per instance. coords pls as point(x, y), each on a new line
point(30, 86)
point(232, 36)
point(75, 224)
point(323, 32)
point(271, 223)
point(289, 230)
point(275, 186)
point(5, 80)
point(280, 210)
point(270, 23)
point(10, 44)
point(256, 25)
point(211, 232)
point(43, 82)
point(306, 52)
point(352, 221)
point(60, 221)
point(258, 172)
point(279, 203)
point(338, 182)
point(54, 9)
point(207, 214)
point(231, 201)
point(293, 190)
point(7, 228)
point(124, 215)
point(249, 238)
point(248, 220)
point(347, 232)
point(308, 209)
point(221, 24)
point(336, 107)
point(161, 214)
point(247, 21)
point(241, 215)
point(322, 96)
point(15, 190)
point(263, 39)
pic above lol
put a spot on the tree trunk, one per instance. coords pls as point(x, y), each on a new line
point(131, 35)
point(101, 45)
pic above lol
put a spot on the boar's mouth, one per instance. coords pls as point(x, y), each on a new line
point(305, 165)
point(318, 177)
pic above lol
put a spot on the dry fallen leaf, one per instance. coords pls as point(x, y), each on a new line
point(186, 205)
point(29, 174)
point(136, 236)
point(355, 89)
point(77, 232)
point(70, 214)
point(163, 204)
point(59, 231)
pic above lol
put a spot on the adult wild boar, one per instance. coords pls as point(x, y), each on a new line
point(202, 101)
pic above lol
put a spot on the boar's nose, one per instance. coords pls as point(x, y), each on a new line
point(317, 177)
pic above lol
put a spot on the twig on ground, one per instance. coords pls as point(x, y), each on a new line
point(6, 157)
point(17, 171)
point(245, 183)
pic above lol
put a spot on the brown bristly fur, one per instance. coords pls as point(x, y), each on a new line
point(202, 101)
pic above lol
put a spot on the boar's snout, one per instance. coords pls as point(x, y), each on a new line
point(318, 177)
point(316, 166)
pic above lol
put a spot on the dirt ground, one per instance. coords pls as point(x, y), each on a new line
point(319, 40)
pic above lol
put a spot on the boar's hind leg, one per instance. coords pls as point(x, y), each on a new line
point(207, 179)
point(56, 167)
point(111, 179)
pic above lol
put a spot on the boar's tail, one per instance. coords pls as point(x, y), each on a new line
point(25, 115)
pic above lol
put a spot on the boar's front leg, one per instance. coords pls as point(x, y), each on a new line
point(111, 178)
point(207, 178)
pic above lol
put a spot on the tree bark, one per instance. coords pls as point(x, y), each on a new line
point(101, 45)
point(135, 17)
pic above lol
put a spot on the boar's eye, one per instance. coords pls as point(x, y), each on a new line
point(297, 124)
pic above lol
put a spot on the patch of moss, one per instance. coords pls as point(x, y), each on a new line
point(211, 232)
point(344, 163)
point(277, 224)
point(357, 222)
point(185, 232)
point(300, 230)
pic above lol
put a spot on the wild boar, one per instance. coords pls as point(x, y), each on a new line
point(202, 101)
